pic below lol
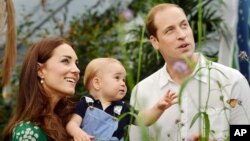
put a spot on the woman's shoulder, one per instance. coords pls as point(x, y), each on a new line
point(28, 131)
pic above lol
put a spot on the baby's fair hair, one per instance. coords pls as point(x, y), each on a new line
point(94, 68)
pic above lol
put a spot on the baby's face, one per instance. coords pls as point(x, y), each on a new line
point(113, 86)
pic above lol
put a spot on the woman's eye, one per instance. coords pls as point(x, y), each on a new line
point(77, 64)
point(65, 61)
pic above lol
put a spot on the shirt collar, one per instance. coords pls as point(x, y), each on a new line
point(202, 62)
point(164, 76)
point(119, 102)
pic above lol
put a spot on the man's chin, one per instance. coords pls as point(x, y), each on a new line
point(187, 55)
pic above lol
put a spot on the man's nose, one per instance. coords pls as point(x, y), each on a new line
point(181, 34)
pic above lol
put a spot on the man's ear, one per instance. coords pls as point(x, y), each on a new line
point(96, 82)
point(40, 70)
point(154, 42)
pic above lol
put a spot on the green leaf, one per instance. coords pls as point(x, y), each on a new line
point(195, 118)
point(207, 125)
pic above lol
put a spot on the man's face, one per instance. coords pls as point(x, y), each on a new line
point(174, 39)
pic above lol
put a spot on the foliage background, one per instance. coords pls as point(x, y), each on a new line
point(118, 32)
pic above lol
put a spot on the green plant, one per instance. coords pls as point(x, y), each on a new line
point(99, 34)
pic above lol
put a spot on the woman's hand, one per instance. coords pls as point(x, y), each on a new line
point(82, 136)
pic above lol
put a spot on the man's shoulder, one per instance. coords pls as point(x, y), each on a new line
point(151, 78)
point(225, 69)
point(226, 73)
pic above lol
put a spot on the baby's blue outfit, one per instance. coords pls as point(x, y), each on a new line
point(100, 124)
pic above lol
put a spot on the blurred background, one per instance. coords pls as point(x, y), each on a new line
point(115, 28)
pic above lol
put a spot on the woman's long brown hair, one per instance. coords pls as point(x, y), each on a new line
point(33, 104)
point(9, 59)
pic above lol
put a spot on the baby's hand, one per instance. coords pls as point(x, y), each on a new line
point(168, 100)
point(83, 136)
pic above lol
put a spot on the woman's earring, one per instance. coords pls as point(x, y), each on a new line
point(41, 81)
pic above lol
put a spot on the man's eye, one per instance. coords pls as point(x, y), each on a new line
point(184, 25)
point(168, 31)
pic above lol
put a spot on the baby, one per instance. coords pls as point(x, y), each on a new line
point(103, 115)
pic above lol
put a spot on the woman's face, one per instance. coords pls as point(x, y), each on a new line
point(60, 72)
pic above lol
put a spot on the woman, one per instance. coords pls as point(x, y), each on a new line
point(48, 77)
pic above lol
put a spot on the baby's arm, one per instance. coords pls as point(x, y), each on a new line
point(74, 130)
point(149, 116)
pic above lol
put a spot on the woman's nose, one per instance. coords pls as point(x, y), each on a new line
point(75, 69)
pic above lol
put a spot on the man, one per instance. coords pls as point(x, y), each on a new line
point(211, 96)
